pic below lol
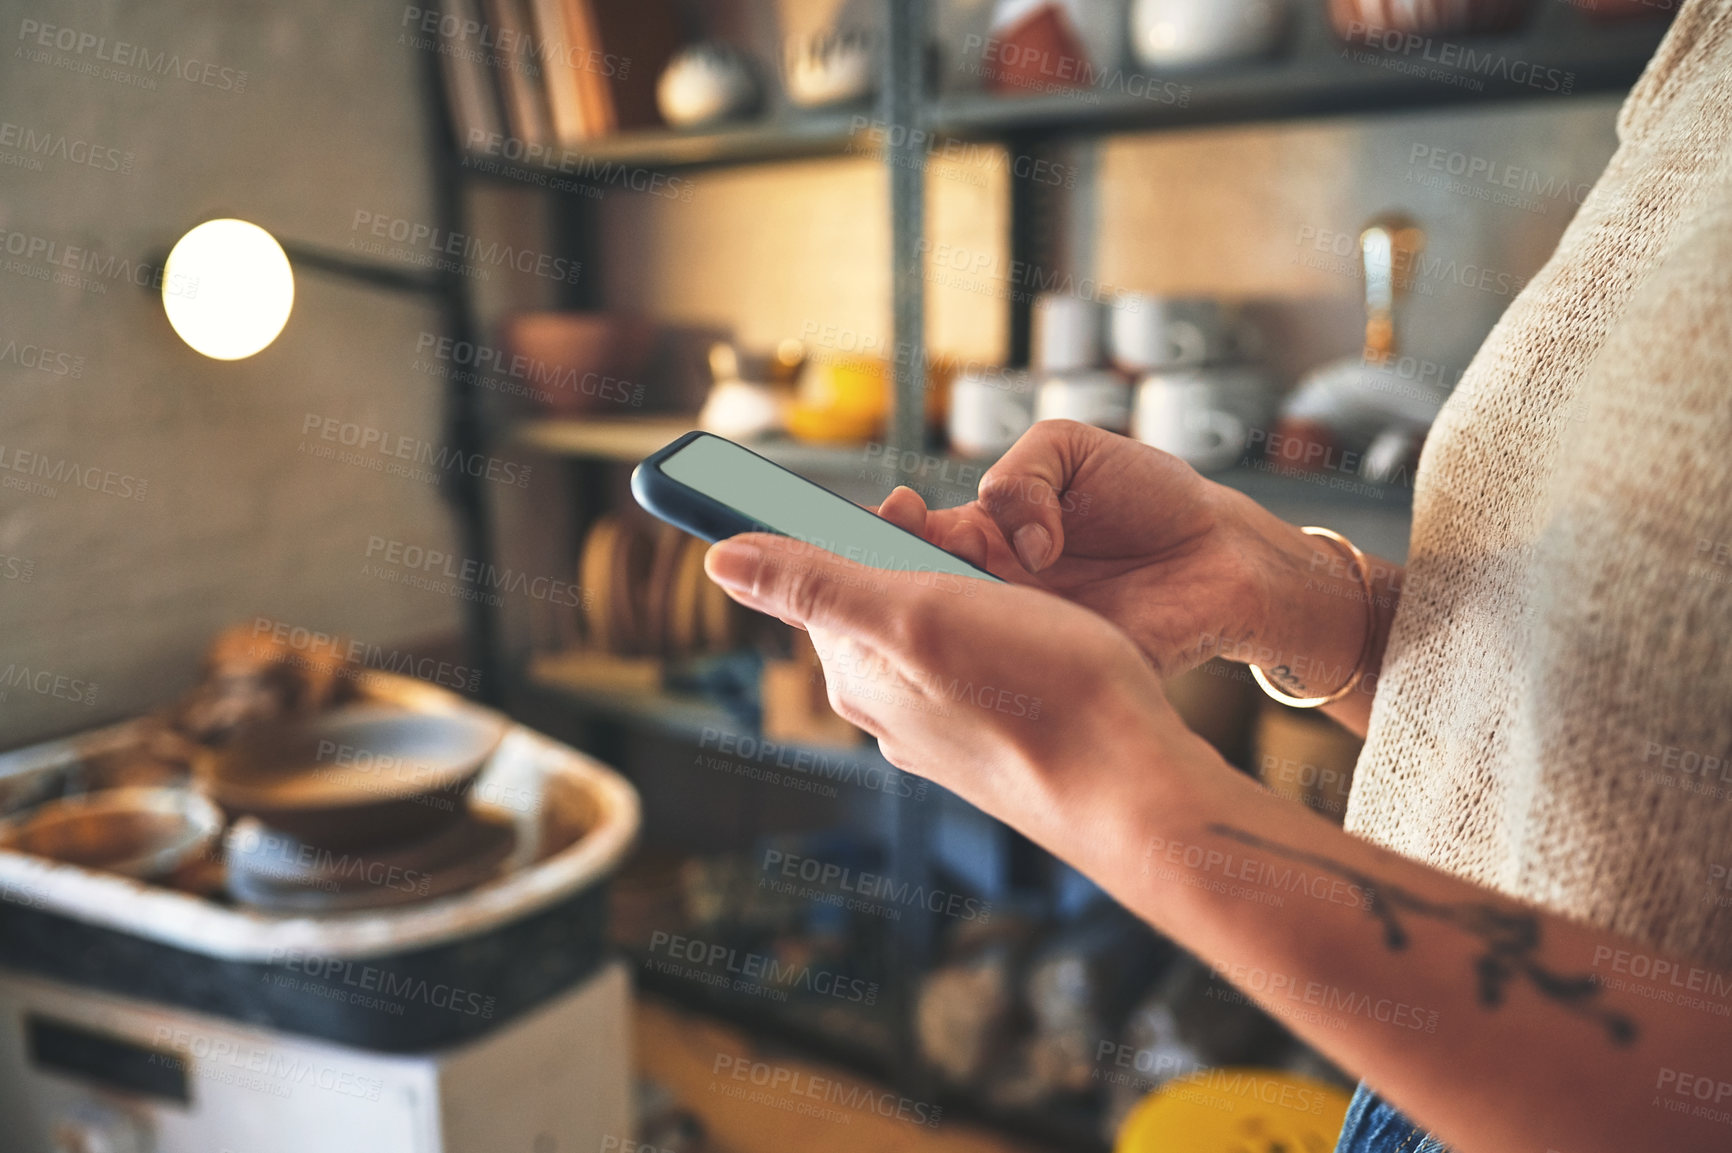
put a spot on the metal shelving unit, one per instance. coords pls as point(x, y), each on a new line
point(1315, 76)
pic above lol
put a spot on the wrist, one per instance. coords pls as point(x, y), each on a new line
point(1316, 627)
point(1170, 790)
point(1330, 617)
point(1143, 772)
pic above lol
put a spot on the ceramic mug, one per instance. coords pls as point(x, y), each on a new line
point(1204, 417)
point(989, 409)
point(705, 83)
point(1189, 33)
point(1098, 397)
point(1148, 333)
point(1067, 333)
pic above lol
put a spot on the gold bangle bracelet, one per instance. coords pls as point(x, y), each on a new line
point(1357, 560)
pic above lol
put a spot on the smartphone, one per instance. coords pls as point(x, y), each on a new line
point(714, 488)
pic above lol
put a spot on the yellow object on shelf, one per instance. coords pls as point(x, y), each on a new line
point(859, 385)
point(830, 425)
point(1236, 1110)
point(841, 401)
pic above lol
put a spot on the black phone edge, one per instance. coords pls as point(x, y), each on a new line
point(708, 519)
point(684, 507)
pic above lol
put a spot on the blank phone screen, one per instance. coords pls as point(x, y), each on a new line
point(795, 507)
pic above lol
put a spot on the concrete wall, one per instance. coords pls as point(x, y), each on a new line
point(1261, 214)
point(229, 518)
point(1258, 215)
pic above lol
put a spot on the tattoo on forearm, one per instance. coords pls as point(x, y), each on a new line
point(1511, 938)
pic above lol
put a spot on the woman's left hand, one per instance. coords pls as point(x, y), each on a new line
point(1026, 705)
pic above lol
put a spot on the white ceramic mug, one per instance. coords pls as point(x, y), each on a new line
point(1189, 33)
point(989, 409)
point(1067, 333)
point(1148, 333)
point(1204, 417)
point(1100, 398)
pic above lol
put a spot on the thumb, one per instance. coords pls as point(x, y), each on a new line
point(1022, 492)
point(799, 582)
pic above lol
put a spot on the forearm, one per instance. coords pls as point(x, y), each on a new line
point(1480, 1017)
point(1485, 1019)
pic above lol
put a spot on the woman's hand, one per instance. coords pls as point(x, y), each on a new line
point(1027, 706)
point(1189, 568)
point(1483, 1018)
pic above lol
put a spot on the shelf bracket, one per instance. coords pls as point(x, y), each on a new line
point(905, 160)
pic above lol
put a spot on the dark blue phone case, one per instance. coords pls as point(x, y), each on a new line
point(702, 515)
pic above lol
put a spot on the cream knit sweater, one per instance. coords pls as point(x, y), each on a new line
point(1554, 718)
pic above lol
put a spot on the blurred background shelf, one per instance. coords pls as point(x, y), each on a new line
point(857, 1038)
point(707, 808)
point(686, 715)
point(630, 439)
point(1321, 76)
point(1382, 511)
point(791, 137)
point(1317, 76)
point(690, 716)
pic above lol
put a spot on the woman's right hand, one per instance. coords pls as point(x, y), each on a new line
point(1189, 568)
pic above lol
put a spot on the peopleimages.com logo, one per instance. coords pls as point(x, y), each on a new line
point(263, 1068)
point(46, 683)
point(427, 245)
point(361, 658)
point(120, 60)
point(46, 473)
point(88, 269)
point(867, 892)
point(718, 964)
point(399, 454)
point(371, 986)
point(31, 144)
point(37, 358)
point(440, 571)
point(515, 374)
point(803, 1092)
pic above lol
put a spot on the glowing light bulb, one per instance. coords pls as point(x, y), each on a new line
point(228, 288)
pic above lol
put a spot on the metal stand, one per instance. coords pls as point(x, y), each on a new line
point(464, 422)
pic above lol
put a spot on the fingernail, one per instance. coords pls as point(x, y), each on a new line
point(897, 494)
point(1032, 543)
point(733, 564)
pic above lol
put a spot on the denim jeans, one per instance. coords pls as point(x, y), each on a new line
point(1374, 1126)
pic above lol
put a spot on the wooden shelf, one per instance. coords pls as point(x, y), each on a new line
point(599, 438)
point(630, 439)
point(1321, 76)
point(611, 159)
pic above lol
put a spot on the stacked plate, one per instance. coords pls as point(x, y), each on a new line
point(357, 808)
point(645, 593)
